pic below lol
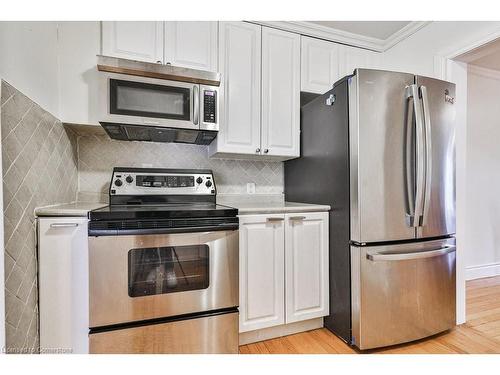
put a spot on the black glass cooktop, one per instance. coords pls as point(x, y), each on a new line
point(162, 211)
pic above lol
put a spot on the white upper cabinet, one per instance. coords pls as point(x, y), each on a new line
point(262, 250)
point(191, 44)
point(319, 65)
point(280, 93)
point(239, 63)
point(352, 58)
point(135, 40)
point(306, 266)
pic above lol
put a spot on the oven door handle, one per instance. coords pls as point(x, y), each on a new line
point(126, 232)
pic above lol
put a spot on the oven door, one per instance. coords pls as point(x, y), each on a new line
point(149, 101)
point(141, 277)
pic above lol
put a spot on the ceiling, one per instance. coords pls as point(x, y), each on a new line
point(373, 29)
point(487, 56)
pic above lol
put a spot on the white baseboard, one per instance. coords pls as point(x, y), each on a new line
point(279, 331)
point(483, 270)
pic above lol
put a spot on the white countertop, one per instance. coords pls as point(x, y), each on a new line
point(69, 209)
point(276, 207)
point(246, 207)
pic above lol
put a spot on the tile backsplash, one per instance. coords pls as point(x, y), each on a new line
point(39, 168)
point(98, 154)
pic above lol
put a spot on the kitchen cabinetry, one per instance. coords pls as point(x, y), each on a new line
point(135, 40)
point(190, 44)
point(319, 65)
point(239, 60)
point(260, 70)
point(351, 58)
point(280, 93)
point(283, 269)
point(306, 266)
point(63, 283)
point(262, 280)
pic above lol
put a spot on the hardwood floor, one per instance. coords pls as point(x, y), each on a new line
point(481, 333)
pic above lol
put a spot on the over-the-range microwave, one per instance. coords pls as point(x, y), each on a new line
point(151, 102)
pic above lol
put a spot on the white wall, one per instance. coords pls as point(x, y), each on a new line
point(28, 60)
point(483, 173)
point(416, 54)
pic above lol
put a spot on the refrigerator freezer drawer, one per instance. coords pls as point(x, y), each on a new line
point(217, 334)
point(402, 292)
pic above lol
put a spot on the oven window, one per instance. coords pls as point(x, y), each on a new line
point(160, 270)
point(149, 100)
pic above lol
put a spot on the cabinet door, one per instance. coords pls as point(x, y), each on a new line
point(191, 44)
point(135, 40)
point(306, 270)
point(239, 63)
point(64, 283)
point(319, 65)
point(280, 92)
point(352, 58)
point(262, 242)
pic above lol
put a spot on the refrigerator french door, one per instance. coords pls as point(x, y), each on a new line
point(380, 149)
point(402, 162)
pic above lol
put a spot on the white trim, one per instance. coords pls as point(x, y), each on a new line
point(323, 32)
point(2, 254)
point(444, 64)
point(483, 270)
point(483, 72)
point(280, 331)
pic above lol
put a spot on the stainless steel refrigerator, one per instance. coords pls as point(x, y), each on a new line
point(380, 149)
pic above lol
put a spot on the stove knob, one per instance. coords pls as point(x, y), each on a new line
point(129, 179)
point(208, 184)
point(118, 182)
point(199, 180)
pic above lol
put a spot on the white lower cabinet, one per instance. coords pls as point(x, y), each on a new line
point(306, 266)
point(283, 269)
point(262, 278)
point(63, 284)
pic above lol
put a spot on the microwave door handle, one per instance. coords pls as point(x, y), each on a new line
point(428, 152)
point(196, 104)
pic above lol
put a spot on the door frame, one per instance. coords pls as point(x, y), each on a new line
point(448, 68)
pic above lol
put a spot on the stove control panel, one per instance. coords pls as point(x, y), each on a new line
point(149, 181)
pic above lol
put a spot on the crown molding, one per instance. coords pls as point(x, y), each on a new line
point(483, 72)
point(319, 31)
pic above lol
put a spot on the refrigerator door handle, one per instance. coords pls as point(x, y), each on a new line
point(428, 153)
point(416, 206)
point(410, 256)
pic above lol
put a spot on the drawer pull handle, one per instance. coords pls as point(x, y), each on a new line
point(297, 218)
point(63, 225)
point(410, 256)
point(271, 219)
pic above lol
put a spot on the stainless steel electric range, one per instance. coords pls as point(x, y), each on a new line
point(163, 259)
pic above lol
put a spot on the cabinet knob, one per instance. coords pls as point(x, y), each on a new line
point(158, 62)
point(257, 150)
point(266, 151)
point(169, 63)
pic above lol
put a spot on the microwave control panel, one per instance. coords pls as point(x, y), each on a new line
point(209, 106)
